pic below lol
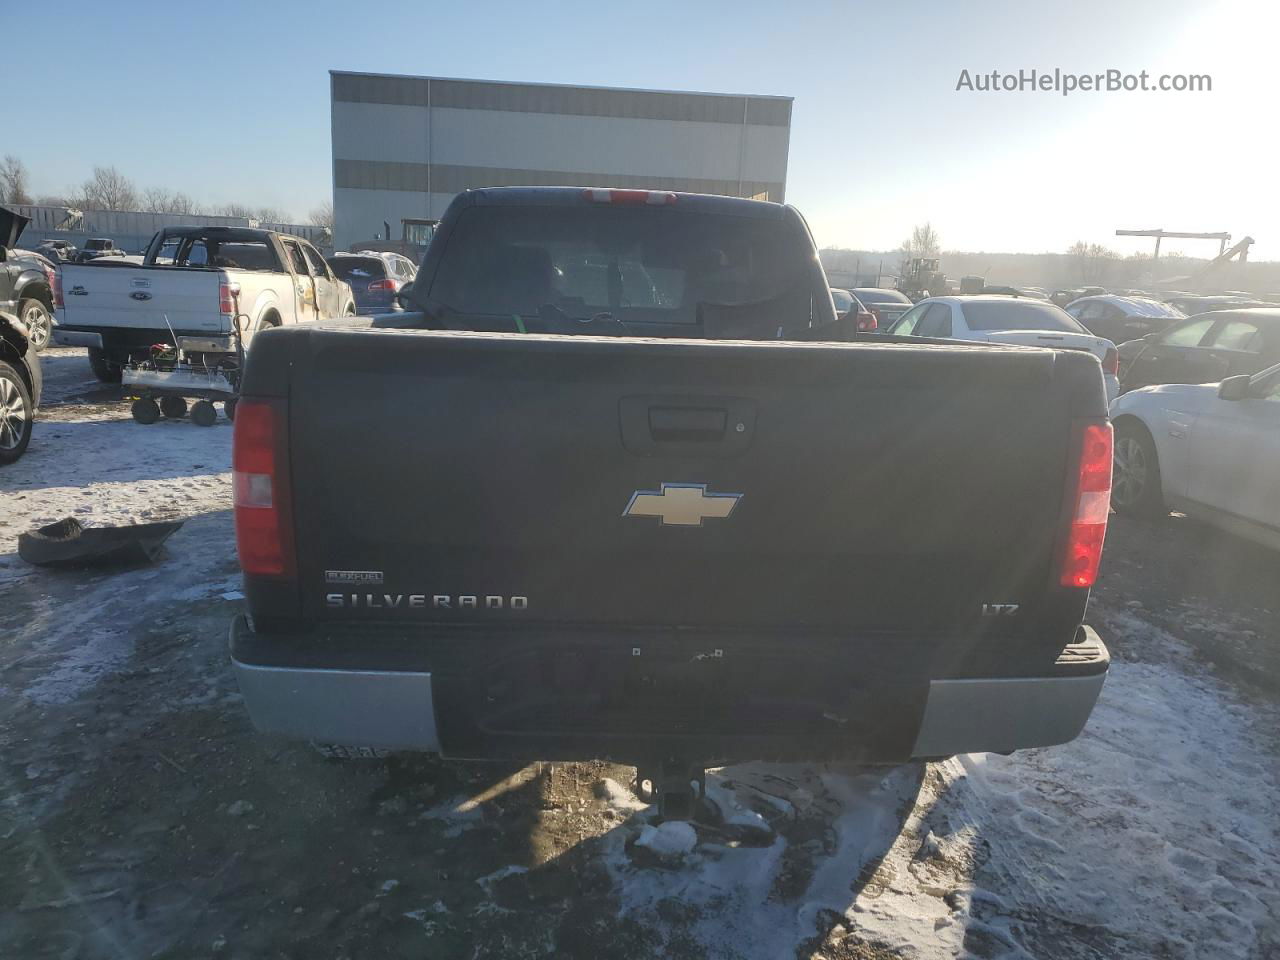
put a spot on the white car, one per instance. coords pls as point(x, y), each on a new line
point(1003, 319)
point(1211, 450)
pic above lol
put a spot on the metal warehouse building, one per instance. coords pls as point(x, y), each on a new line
point(404, 146)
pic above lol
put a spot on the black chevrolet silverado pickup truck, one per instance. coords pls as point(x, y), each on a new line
point(618, 484)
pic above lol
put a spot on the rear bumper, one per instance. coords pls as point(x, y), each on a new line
point(338, 700)
point(1001, 715)
point(374, 708)
point(134, 338)
point(76, 338)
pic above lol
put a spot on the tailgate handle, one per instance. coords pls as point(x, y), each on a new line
point(687, 424)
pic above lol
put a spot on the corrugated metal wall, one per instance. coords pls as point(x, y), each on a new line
point(133, 230)
point(404, 146)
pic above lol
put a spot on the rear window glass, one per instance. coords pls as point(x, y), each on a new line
point(201, 251)
point(1019, 315)
point(882, 296)
point(358, 268)
point(637, 265)
point(842, 300)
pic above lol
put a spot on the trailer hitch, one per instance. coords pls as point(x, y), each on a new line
point(674, 784)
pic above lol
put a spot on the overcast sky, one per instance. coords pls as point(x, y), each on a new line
point(232, 102)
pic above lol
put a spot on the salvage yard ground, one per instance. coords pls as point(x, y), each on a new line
point(141, 816)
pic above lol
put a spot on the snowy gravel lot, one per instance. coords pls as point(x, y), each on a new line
point(140, 816)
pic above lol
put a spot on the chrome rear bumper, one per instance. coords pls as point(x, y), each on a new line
point(999, 714)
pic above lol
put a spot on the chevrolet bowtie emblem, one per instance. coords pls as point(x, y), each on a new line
point(681, 504)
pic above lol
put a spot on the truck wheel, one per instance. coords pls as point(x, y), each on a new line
point(16, 411)
point(229, 408)
point(1136, 488)
point(108, 371)
point(203, 414)
point(174, 408)
point(145, 410)
point(38, 322)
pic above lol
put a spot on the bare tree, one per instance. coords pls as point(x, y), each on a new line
point(923, 242)
point(109, 189)
point(270, 214)
point(162, 200)
point(13, 181)
point(322, 216)
point(1092, 261)
point(233, 210)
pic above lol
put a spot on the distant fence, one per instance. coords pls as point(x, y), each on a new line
point(133, 230)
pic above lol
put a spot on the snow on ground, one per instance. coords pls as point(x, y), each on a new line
point(99, 466)
point(94, 463)
point(1153, 834)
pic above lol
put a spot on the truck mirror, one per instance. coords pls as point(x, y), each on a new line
point(402, 294)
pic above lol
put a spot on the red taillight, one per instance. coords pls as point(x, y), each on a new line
point(1091, 503)
point(226, 305)
point(867, 321)
point(260, 483)
point(55, 284)
point(630, 198)
point(387, 284)
point(1111, 362)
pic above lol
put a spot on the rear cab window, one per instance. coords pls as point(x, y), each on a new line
point(215, 251)
point(714, 273)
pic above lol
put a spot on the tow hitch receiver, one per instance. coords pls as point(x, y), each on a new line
point(674, 784)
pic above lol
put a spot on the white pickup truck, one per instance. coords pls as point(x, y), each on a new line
point(193, 283)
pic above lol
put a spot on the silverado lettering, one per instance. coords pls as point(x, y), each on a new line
point(371, 601)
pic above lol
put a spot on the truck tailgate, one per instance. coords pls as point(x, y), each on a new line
point(142, 297)
point(472, 478)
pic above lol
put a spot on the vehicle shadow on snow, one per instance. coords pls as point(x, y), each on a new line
point(562, 859)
